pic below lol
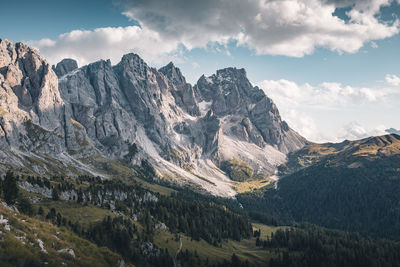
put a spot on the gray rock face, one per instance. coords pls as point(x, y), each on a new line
point(97, 106)
point(32, 109)
point(210, 131)
point(183, 94)
point(231, 94)
point(104, 111)
point(65, 66)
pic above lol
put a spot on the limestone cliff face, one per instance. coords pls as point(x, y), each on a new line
point(253, 116)
point(184, 93)
point(32, 110)
point(73, 115)
point(65, 66)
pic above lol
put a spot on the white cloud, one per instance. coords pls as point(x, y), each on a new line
point(392, 79)
point(305, 125)
point(374, 45)
point(289, 27)
point(302, 105)
point(355, 131)
point(108, 43)
point(324, 95)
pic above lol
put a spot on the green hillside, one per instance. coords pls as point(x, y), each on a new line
point(351, 186)
point(26, 241)
point(105, 221)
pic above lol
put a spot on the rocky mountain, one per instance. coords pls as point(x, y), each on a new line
point(68, 119)
point(65, 66)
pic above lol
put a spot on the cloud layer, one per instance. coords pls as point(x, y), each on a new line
point(288, 27)
point(393, 80)
point(301, 106)
point(324, 95)
point(355, 131)
point(108, 43)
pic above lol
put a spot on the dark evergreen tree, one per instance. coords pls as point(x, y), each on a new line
point(25, 206)
point(55, 194)
point(10, 188)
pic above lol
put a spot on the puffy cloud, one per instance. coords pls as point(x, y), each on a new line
point(354, 131)
point(108, 43)
point(393, 79)
point(305, 125)
point(288, 27)
point(325, 95)
point(302, 107)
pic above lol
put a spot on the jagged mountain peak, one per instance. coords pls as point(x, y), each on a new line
point(133, 59)
point(232, 72)
point(32, 110)
point(29, 76)
point(65, 66)
point(226, 83)
point(229, 93)
point(99, 65)
point(6, 53)
point(10, 53)
point(174, 74)
point(132, 63)
point(182, 91)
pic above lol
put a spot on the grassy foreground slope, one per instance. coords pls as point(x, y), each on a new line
point(26, 241)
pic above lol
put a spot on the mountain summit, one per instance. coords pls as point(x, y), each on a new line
point(81, 119)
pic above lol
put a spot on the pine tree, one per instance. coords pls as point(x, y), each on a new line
point(25, 206)
point(10, 188)
point(55, 194)
point(40, 211)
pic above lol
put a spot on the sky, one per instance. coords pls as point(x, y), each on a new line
point(331, 66)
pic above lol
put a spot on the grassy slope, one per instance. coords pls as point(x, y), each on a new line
point(87, 214)
point(13, 252)
point(252, 185)
point(75, 212)
point(245, 249)
point(348, 153)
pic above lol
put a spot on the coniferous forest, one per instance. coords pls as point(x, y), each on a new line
point(135, 218)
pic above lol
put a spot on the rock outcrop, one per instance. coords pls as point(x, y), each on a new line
point(31, 107)
point(65, 66)
point(183, 94)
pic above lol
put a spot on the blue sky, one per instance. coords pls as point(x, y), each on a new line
point(331, 66)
